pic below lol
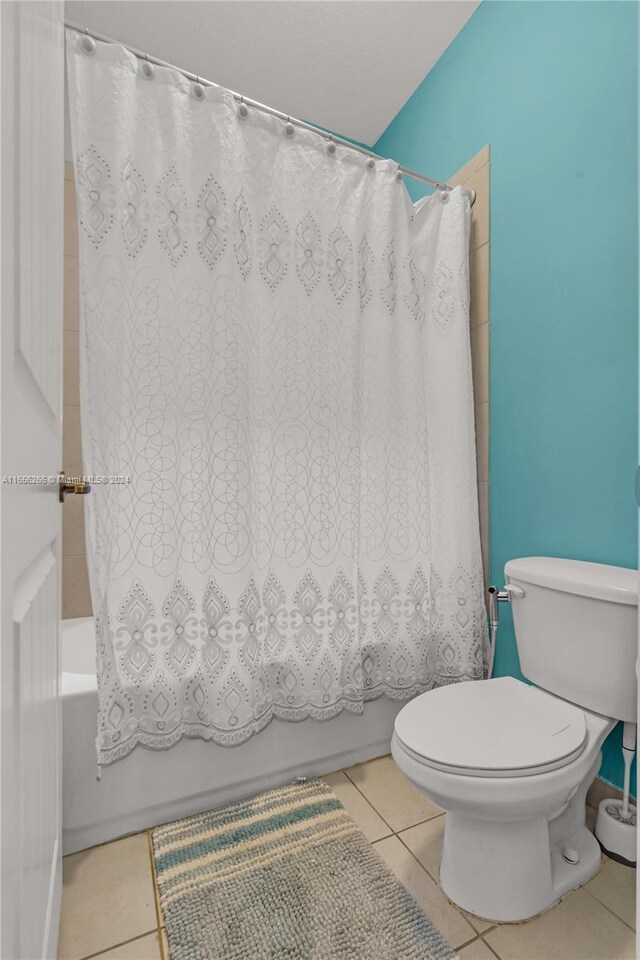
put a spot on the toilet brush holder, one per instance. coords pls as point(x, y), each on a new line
point(616, 833)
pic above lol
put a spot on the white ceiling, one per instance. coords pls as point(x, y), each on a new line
point(347, 65)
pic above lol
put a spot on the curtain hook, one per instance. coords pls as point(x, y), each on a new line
point(242, 109)
point(288, 127)
point(331, 147)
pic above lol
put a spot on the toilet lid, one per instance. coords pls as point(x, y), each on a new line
point(499, 727)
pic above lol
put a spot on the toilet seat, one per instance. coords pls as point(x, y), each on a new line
point(492, 728)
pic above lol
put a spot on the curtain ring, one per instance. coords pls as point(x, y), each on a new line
point(289, 127)
point(198, 89)
point(243, 113)
point(331, 147)
point(87, 43)
point(147, 69)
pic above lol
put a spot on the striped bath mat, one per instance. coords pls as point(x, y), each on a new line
point(285, 875)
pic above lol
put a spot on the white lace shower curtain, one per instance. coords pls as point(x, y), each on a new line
point(275, 349)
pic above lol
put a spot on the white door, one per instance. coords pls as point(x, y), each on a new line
point(31, 248)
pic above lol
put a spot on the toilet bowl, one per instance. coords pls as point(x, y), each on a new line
point(515, 837)
point(511, 762)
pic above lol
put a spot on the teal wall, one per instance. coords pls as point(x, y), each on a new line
point(552, 87)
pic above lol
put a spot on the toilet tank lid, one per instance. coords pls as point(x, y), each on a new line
point(598, 580)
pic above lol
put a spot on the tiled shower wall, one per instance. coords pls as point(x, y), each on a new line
point(76, 600)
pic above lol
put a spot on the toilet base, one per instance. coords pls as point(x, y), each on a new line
point(508, 871)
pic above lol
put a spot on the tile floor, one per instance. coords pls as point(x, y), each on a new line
point(109, 909)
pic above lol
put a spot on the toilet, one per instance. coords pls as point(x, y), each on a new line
point(511, 762)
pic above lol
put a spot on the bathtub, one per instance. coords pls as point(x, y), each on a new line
point(150, 787)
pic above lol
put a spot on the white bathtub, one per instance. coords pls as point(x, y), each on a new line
point(151, 787)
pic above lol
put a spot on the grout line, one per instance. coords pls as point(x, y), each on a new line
point(602, 904)
point(115, 946)
point(428, 873)
point(488, 945)
point(490, 929)
point(375, 809)
point(479, 169)
point(421, 823)
point(467, 943)
point(156, 894)
point(471, 252)
point(458, 909)
point(473, 171)
point(476, 933)
point(389, 836)
point(388, 825)
point(431, 877)
point(105, 843)
point(364, 763)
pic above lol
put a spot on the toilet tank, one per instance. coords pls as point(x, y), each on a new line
point(576, 631)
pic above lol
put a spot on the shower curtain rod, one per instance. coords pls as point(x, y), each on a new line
point(405, 171)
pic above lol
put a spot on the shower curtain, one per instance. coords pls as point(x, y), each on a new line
point(277, 408)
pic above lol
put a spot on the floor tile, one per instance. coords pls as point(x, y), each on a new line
point(477, 922)
point(425, 842)
point(390, 793)
point(476, 951)
point(107, 897)
point(615, 886)
point(579, 928)
point(363, 814)
point(144, 948)
point(427, 894)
